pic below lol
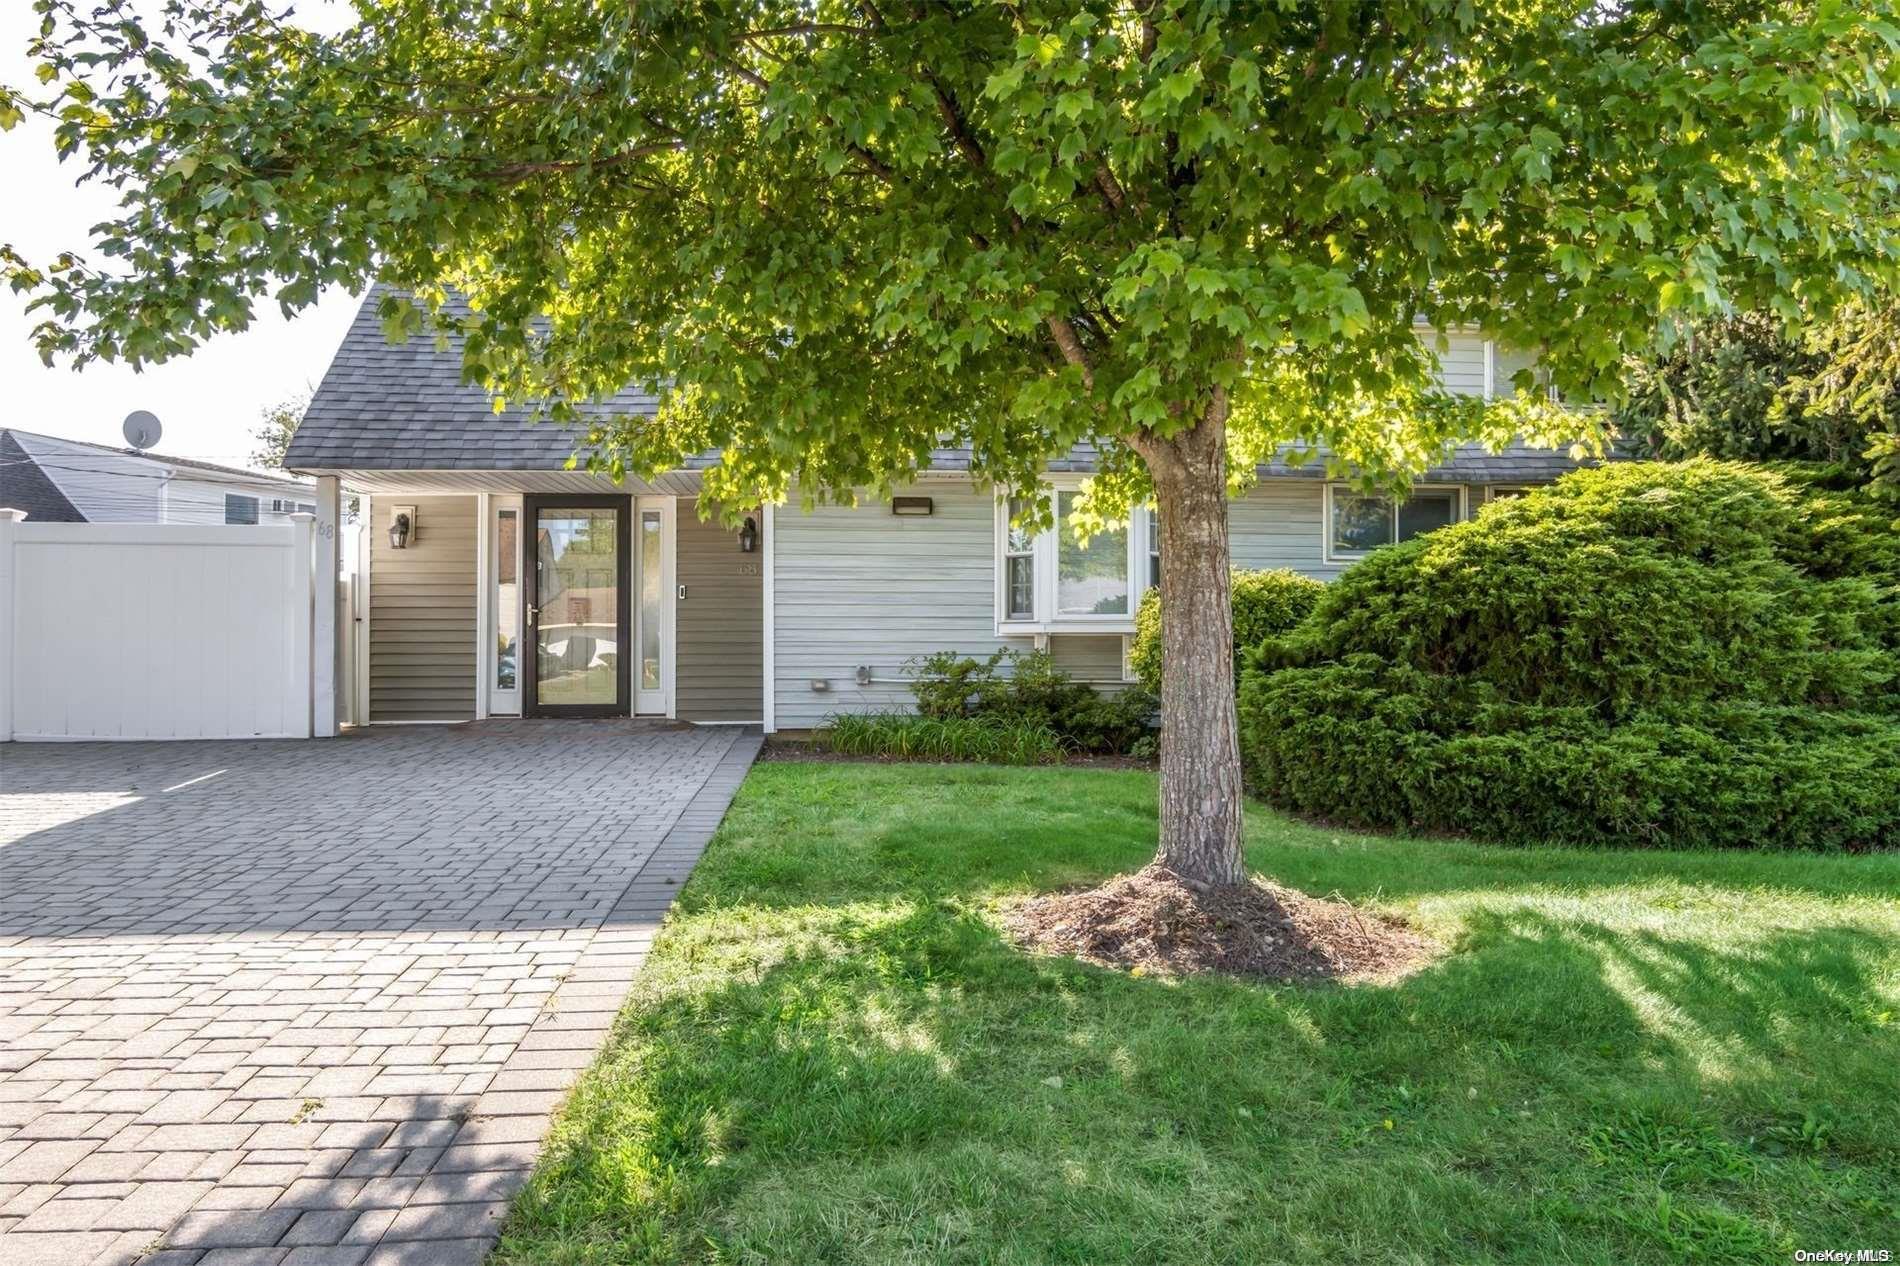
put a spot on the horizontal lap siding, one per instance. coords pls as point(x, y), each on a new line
point(720, 659)
point(1091, 657)
point(866, 587)
point(1461, 363)
point(422, 613)
point(1279, 524)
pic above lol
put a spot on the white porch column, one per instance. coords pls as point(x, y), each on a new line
point(7, 519)
point(326, 650)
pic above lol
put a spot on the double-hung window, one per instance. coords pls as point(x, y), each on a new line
point(1358, 523)
point(238, 509)
point(1048, 581)
point(1019, 565)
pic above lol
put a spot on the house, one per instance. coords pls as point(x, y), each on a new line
point(501, 583)
point(68, 481)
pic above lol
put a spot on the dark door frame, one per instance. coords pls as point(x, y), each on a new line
point(531, 507)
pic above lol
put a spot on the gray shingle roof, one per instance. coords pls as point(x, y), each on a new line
point(24, 486)
point(385, 406)
point(404, 406)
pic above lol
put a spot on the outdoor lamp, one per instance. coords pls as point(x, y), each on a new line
point(399, 531)
point(749, 536)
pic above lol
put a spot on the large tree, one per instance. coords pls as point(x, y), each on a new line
point(837, 235)
point(1755, 387)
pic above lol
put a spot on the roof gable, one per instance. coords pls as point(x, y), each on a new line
point(24, 486)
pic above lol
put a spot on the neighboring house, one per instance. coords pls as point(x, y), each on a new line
point(506, 549)
point(69, 481)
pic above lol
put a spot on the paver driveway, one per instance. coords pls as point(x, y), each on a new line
point(312, 1002)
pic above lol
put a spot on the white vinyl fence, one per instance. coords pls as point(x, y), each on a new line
point(155, 631)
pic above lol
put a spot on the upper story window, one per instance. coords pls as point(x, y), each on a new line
point(1048, 580)
point(1357, 523)
point(239, 509)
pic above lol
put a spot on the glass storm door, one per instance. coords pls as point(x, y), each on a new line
point(576, 592)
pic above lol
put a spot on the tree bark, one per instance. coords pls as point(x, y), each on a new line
point(1200, 740)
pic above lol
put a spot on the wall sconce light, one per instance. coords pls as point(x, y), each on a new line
point(912, 505)
point(402, 526)
point(749, 536)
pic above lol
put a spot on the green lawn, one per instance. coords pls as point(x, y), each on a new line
point(833, 1057)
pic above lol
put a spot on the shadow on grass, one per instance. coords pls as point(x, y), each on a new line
point(898, 1083)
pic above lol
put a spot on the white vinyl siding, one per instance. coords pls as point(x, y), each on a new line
point(113, 487)
point(1281, 523)
point(866, 588)
point(1461, 361)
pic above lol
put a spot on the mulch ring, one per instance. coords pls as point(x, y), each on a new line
point(1154, 921)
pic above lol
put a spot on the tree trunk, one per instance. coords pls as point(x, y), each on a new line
point(1200, 741)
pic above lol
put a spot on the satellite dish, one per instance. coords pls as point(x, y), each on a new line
point(141, 428)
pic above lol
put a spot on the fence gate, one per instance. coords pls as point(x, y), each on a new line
point(154, 631)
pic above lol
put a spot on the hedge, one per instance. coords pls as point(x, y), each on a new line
point(1266, 603)
point(1700, 654)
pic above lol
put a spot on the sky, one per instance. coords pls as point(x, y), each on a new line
point(207, 403)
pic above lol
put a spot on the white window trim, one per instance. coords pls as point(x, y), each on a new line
point(667, 508)
point(257, 506)
point(492, 699)
point(1460, 512)
point(1491, 491)
point(1045, 621)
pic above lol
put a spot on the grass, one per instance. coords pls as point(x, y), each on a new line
point(831, 1055)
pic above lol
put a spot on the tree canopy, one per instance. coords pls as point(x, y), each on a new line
point(838, 234)
point(275, 425)
point(1748, 387)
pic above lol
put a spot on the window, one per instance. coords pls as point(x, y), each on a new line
point(1091, 579)
point(1504, 492)
point(1152, 517)
point(306, 507)
point(1357, 523)
point(1019, 566)
point(239, 509)
point(1048, 579)
point(507, 596)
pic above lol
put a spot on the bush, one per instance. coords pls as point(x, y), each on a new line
point(903, 736)
point(1034, 692)
point(1694, 655)
point(1266, 604)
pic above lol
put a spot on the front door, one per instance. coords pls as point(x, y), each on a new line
point(575, 603)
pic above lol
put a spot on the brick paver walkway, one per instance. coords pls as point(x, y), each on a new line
point(311, 1003)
